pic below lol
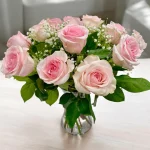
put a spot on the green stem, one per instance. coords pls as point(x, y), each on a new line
point(78, 126)
point(71, 130)
point(87, 121)
point(80, 122)
point(95, 100)
point(65, 124)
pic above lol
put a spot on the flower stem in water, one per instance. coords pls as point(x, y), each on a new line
point(78, 126)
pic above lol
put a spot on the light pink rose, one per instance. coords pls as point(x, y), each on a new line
point(91, 21)
point(39, 32)
point(17, 61)
point(73, 20)
point(54, 22)
point(19, 40)
point(139, 39)
point(125, 54)
point(55, 69)
point(115, 30)
point(73, 38)
point(94, 75)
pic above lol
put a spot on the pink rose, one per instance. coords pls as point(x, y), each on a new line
point(73, 20)
point(17, 61)
point(55, 69)
point(19, 40)
point(54, 22)
point(139, 39)
point(39, 31)
point(125, 54)
point(94, 75)
point(91, 21)
point(73, 38)
point(115, 30)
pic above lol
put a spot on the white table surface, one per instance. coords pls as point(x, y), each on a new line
point(36, 126)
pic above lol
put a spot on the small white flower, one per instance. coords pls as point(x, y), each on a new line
point(109, 48)
point(104, 26)
point(95, 40)
point(61, 49)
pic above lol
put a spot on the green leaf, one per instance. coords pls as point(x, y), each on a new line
point(18, 78)
point(134, 85)
point(40, 84)
point(90, 41)
point(33, 48)
point(87, 96)
point(79, 58)
point(43, 96)
point(27, 91)
point(49, 86)
point(117, 96)
point(32, 73)
point(34, 77)
point(66, 99)
point(72, 113)
point(102, 53)
point(52, 96)
point(83, 105)
point(118, 68)
point(64, 86)
point(40, 46)
point(83, 50)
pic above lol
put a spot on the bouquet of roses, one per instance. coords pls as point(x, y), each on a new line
point(80, 56)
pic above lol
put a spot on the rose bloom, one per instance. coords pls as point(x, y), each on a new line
point(91, 21)
point(125, 54)
point(17, 61)
point(139, 39)
point(19, 40)
point(39, 32)
point(54, 22)
point(94, 75)
point(115, 30)
point(55, 69)
point(72, 20)
point(73, 38)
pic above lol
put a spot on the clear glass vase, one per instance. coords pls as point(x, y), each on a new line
point(83, 124)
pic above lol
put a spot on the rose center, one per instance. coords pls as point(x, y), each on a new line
point(53, 68)
point(132, 47)
point(11, 62)
point(74, 31)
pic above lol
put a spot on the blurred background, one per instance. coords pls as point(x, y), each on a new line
point(20, 15)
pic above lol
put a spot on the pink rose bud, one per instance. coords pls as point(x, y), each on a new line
point(139, 39)
point(19, 40)
point(94, 75)
point(73, 20)
point(91, 21)
point(17, 62)
point(115, 30)
point(55, 69)
point(54, 22)
point(39, 32)
point(125, 54)
point(73, 38)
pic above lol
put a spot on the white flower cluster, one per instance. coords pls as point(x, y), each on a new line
point(102, 40)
